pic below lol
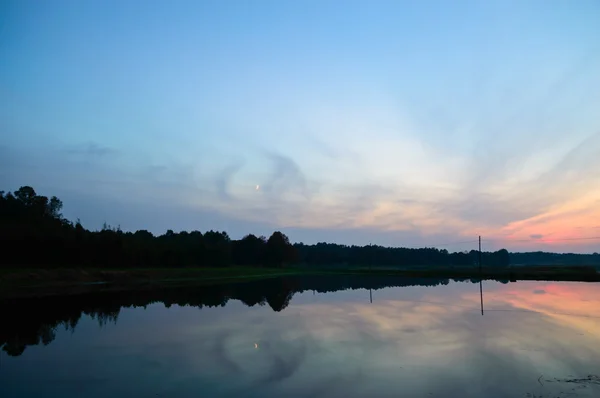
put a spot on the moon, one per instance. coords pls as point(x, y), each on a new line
point(257, 187)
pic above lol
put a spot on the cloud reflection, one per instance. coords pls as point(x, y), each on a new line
point(433, 341)
point(411, 341)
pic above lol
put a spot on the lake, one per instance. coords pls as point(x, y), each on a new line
point(308, 337)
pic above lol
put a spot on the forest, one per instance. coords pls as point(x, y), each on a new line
point(35, 234)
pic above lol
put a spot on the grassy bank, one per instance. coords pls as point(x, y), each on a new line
point(49, 282)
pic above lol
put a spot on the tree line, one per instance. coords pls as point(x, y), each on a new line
point(329, 254)
point(35, 234)
point(547, 258)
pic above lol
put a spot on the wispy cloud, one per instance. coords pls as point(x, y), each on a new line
point(224, 178)
point(92, 149)
point(285, 178)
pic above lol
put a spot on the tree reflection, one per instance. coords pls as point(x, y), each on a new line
point(28, 322)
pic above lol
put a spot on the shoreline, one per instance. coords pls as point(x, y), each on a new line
point(29, 283)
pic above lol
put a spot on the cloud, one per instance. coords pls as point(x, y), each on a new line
point(223, 180)
point(539, 291)
point(485, 210)
point(493, 199)
point(307, 209)
point(92, 150)
point(335, 153)
point(286, 176)
point(396, 199)
point(487, 192)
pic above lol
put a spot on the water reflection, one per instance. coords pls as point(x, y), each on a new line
point(427, 338)
point(34, 321)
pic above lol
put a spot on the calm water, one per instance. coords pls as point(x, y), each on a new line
point(313, 337)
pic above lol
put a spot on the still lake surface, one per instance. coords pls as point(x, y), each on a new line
point(308, 337)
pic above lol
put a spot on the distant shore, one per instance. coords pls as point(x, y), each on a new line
point(52, 282)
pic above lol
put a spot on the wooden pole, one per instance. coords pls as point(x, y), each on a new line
point(480, 277)
point(480, 253)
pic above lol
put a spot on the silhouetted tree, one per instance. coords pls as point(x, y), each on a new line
point(250, 250)
point(279, 250)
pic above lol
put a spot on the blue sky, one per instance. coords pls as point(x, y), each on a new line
point(402, 123)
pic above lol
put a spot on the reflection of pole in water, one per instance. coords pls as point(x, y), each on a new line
point(371, 295)
point(481, 294)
